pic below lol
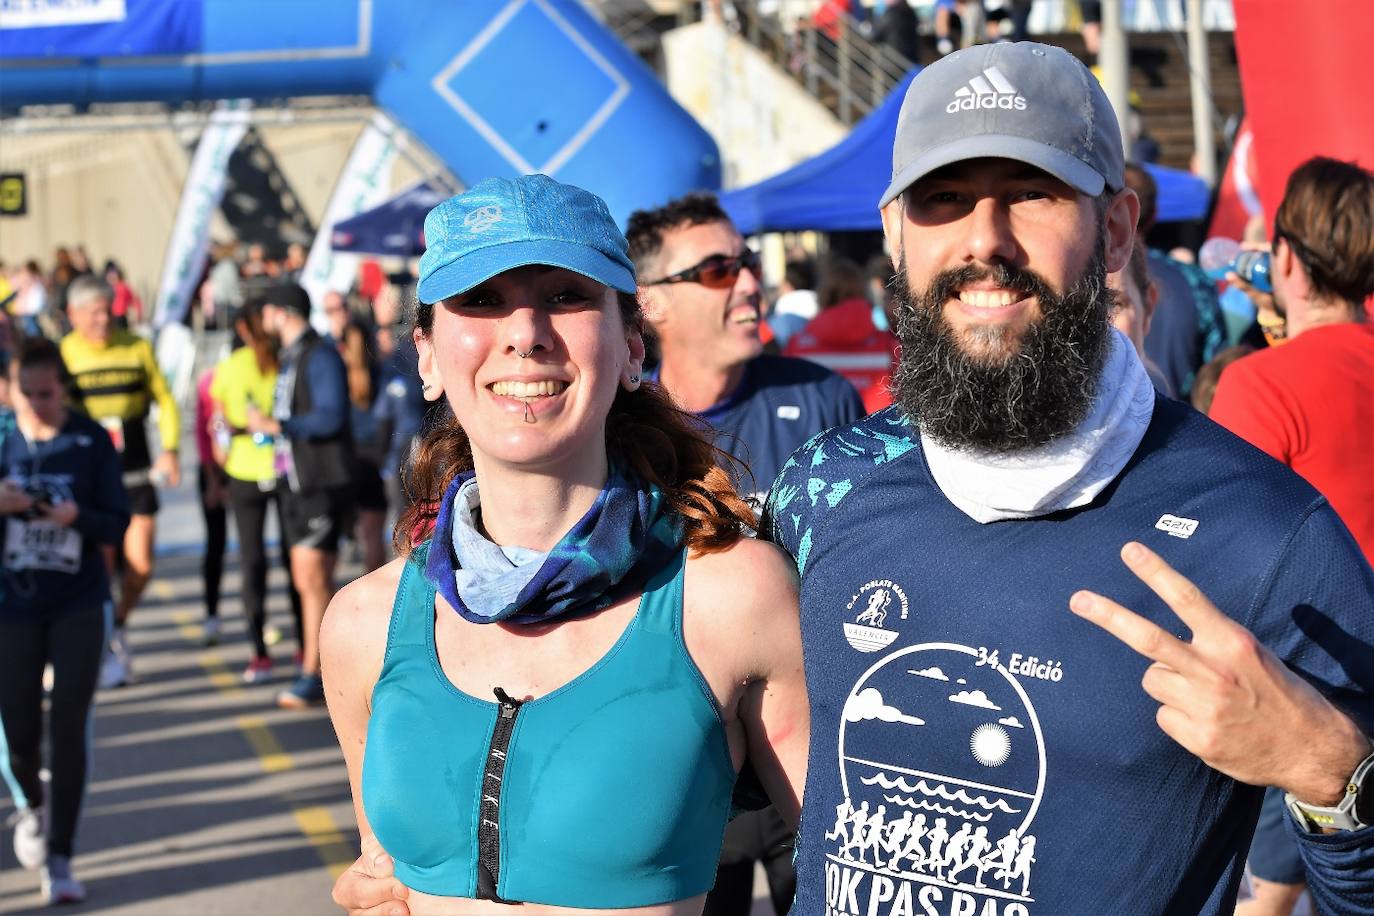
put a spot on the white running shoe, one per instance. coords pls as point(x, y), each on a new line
point(116, 669)
point(58, 885)
point(210, 631)
point(30, 841)
point(112, 672)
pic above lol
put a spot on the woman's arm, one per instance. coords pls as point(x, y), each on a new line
point(749, 594)
point(352, 649)
point(105, 516)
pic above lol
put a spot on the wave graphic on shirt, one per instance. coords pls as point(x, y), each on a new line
point(922, 805)
point(938, 791)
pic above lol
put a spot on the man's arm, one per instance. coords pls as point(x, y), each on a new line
point(328, 412)
point(168, 417)
point(1229, 699)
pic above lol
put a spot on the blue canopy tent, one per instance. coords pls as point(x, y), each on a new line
point(395, 228)
point(838, 190)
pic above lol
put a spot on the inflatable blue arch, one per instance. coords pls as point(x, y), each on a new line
point(492, 87)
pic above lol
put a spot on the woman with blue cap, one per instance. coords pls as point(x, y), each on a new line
point(547, 699)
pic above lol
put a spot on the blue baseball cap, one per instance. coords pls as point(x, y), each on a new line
point(1024, 101)
point(504, 223)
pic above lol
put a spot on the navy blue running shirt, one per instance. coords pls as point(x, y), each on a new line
point(45, 569)
point(977, 749)
point(781, 402)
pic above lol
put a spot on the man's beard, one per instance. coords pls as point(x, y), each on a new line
point(1018, 393)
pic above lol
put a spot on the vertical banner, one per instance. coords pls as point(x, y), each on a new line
point(200, 198)
point(363, 184)
point(1305, 78)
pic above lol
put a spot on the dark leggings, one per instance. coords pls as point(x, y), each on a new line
point(73, 641)
point(250, 503)
point(755, 835)
point(216, 529)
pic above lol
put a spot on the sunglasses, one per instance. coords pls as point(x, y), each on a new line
point(717, 270)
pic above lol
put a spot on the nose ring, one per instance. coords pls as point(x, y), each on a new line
point(526, 354)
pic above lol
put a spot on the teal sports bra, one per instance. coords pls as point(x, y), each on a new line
point(611, 791)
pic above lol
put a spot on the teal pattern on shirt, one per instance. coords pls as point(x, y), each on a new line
point(813, 472)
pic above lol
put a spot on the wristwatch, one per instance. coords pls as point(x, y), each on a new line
point(1354, 812)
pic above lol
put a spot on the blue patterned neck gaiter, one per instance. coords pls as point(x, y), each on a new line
point(627, 535)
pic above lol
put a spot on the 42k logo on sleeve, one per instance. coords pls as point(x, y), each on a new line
point(948, 832)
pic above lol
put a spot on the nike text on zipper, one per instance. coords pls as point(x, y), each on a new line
point(489, 824)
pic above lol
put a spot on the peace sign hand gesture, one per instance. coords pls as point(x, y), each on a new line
point(1225, 697)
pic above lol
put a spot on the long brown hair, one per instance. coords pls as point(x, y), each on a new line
point(357, 363)
point(263, 345)
point(646, 434)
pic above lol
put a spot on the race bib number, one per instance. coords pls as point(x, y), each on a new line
point(41, 545)
point(115, 427)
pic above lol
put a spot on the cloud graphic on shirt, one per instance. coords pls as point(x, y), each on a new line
point(934, 673)
point(974, 698)
point(1011, 722)
point(868, 704)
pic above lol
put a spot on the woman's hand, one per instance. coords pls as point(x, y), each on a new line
point(62, 514)
point(13, 499)
point(369, 888)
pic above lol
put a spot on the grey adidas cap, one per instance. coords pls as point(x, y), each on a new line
point(1025, 101)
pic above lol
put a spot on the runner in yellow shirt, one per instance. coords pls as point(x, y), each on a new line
point(118, 379)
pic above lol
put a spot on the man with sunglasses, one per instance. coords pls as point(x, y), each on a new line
point(703, 300)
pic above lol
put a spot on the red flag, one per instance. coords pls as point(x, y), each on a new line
point(1303, 70)
point(1238, 197)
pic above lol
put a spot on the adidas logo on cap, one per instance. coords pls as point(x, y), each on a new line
point(988, 90)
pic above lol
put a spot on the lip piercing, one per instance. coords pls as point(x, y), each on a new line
point(529, 414)
point(526, 354)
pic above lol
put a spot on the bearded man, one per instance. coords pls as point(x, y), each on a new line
point(986, 513)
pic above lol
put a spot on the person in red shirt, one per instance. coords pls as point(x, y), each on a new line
point(1310, 404)
point(843, 337)
point(126, 307)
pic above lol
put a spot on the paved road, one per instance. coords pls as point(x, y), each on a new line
point(205, 799)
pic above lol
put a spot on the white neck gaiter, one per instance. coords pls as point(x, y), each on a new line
point(1064, 474)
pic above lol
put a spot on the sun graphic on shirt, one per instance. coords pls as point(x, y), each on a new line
point(991, 745)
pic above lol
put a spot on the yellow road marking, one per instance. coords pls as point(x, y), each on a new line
point(315, 823)
point(162, 590)
point(271, 755)
point(330, 844)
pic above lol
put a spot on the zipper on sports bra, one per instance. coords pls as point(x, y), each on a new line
point(489, 820)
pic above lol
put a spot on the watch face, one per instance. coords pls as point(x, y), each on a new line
point(1364, 800)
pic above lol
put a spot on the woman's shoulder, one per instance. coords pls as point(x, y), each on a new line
point(750, 577)
point(354, 631)
point(370, 594)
